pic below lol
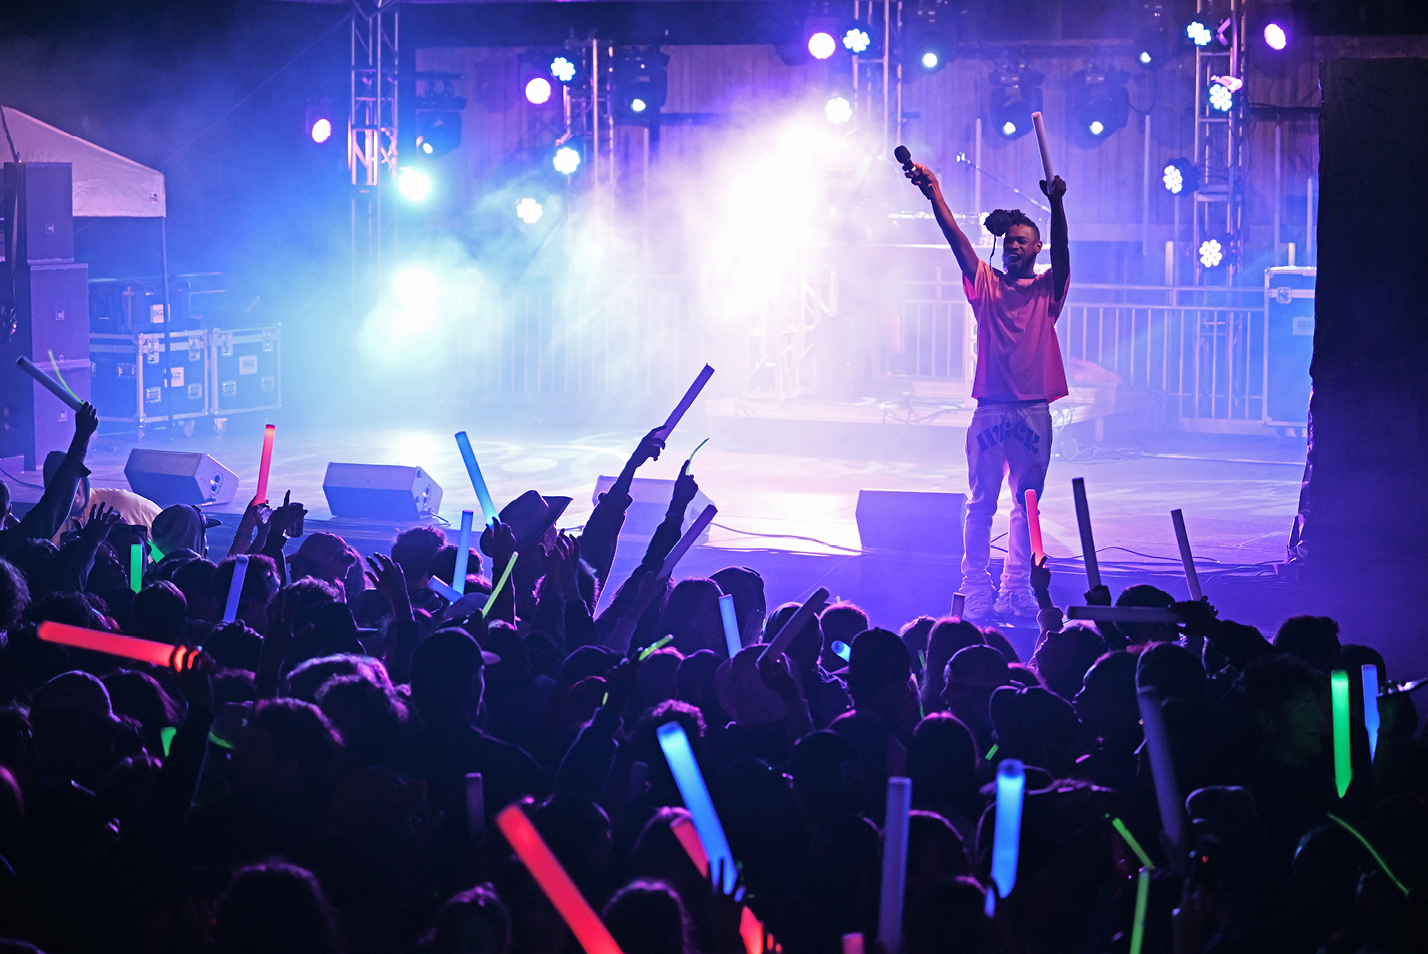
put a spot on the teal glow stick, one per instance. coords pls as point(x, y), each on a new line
point(1371, 719)
point(732, 639)
point(1142, 900)
point(1006, 838)
point(655, 647)
point(1378, 859)
point(1339, 698)
point(500, 584)
point(483, 496)
point(463, 551)
point(842, 650)
point(136, 566)
point(1133, 844)
point(682, 765)
point(155, 553)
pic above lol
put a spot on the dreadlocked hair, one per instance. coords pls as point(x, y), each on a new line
point(1000, 222)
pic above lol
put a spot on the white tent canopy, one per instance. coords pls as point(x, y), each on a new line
point(105, 183)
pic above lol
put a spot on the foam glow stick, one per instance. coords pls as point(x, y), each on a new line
point(1123, 614)
point(1040, 126)
point(1033, 525)
point(265, 464)
point(853, 944)
point(677, 752)
point(795, 624)
point(475, 804)
point(438, 585)
point(1162, 767)
point(54, 366)
point(1371, 850)
point(842, 650)
point(1371, 720)
point(144, 650)
point(584, 923)
point(483, 496)
point(136, 566)
point(1142, 900)
point(1133, 843)
point(235, 589)
point(47, 382)
point(655, 647)
point(463, 551)
point(683, 829)
point(1088, 542)
point(701, 379)
point(166, 737)
point(1339, 699)
point(959, 604)
point(1006, 837)
point(731, 626)
point(505, 575)
point(1192, 579)
point(895, 828)
point(687, 541)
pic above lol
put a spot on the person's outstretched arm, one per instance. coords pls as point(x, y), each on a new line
point(1060, 251)
point(45, 518)
point(602, 530)
point(923, 178)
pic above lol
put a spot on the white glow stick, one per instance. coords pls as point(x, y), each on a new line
point(1192, 579)
point(687, 541)
point(1006, 836)
point(1371, 719)
point(1123, 614)
point(1088, 540)
point(235, 589)
point(701, 379)
point(1162, 767)
point(895, 829)
point(795, 624)
point(1041, 142)
point(475, 805)
point(463, 551)
point(959, 604)
point(731, 625)
point(439, 585)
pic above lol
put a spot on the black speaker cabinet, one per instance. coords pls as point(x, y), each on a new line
point(33, 421)
point(907, 521)
point(42, 193)
point(179, 477)
point(380, 491)
point(53, 301)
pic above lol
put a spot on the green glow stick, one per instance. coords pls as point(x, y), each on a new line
point(136, 566)
point(655, 647)
point(992, 752)
point(54, 366)
point(1378, 859)
point(1142, 900)
point(166, 736)
point(155, 553)
point(690, 459)
point(1339, 696)
point(505, 574)
point(1131, 841)
point(221, 743)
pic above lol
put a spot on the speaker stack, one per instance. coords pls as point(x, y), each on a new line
point(44, 309)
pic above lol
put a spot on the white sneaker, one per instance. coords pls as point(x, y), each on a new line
point(1019, 603)
point(979, 604)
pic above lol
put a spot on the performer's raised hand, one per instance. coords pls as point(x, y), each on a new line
point(923, 178)
point(1054, 189)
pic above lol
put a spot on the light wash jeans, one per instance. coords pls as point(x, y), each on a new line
point(1004, 440)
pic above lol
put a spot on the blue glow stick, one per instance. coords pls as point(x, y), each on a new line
point(439, 585)
point(680, 756)
point(842, 650)
point(463, 551)
point(731, 626)
point(483, 496)
point(895, 827)
point(1371, 720)
point(235, 588)
point(1006, 840)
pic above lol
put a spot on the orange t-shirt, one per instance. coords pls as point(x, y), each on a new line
point(1018, 356)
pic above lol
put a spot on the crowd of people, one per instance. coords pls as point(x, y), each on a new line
point(302, 784)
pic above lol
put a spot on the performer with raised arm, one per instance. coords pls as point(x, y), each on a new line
point(1019, 372)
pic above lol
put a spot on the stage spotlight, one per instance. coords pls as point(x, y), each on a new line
point(1275, 36)
point(637, 105)
point(1222, 98)
point(319, 120)
point(1016, 94)
point(1212, 253)
point(838, 110)
point(856, 39)
point(1100, 104)
point(562, 69)
point(414, 184)
point(640, 82)
point(928, 39)
point(1156, 40)
point(529, 211)
point(821, 45)
point(438, 131)
point(1199, 33)
point(566, 160)
point(1180, 176)
point(322, 130)
point(538, 91)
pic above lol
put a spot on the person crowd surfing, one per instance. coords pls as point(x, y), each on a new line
point(1018, 374)
point(304, 783)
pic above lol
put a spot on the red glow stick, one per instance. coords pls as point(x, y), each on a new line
point(144, 650)
point(1033, 525)
point(751, 929)
point(269, 433)
point(584, 923)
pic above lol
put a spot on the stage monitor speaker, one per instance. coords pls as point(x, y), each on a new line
point(911, 521)
point(650, 498)
point(42, 193)
point(179, 477)
point(380, 491)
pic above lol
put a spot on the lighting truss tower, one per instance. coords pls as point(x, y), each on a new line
point(372, 145)
point(1219, 137)
point(877, 81)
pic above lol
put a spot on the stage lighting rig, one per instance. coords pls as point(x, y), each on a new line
point(1214, 253)
point(1157, 41)
point(1100, 103)
point(640, 83)
point(929, 37)
point(1221, 92)
point(319, 120)
point(838, 110)
point(564, 69)
point(438, 115)
point(566, 159)
point(413, 184)
point(1016, 94)
point(1272, 29)
point(529, 211)
point(1181, 177)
